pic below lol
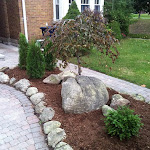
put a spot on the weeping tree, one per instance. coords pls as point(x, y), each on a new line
point(72, 36)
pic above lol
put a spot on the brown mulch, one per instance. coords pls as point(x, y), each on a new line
point(87, 131)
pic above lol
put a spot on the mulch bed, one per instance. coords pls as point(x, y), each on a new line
point(87, 131)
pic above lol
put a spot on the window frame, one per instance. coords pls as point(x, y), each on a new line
point(97, 3)
point(85, 3)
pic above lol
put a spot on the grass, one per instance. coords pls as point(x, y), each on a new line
point(132, 65)
point(143, 16)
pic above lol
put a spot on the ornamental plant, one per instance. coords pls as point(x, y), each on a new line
point(123, 123)
point(35, 61)
point(23, 50)
point(72, 37)
point(73, 11)
point(50, 60)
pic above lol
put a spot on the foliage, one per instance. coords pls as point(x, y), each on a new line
point(123, 123)
point(72, 36)
point(119, 11)
point(35, 61)
point(73, 11)
point(23, 49)
point(142, 36)
point(50, 60)
point(115, 27)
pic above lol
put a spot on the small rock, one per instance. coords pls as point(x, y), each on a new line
point(106, 109)
point(4, 69)
point(50, 126)
point(118, 100)
point(63, 146)
point(47, 114)
point(66, 74)
point(56, 136)
point(52, 79)
point(31, 91)
point(4, 78)
point(40, 107)
point(37, 98)
point(138, 97)
point(22, 85)
point(12, 81)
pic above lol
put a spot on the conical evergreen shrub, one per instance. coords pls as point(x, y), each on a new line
point(73, 11)
point(50, 60)
point(23, 50)
point(35, 61)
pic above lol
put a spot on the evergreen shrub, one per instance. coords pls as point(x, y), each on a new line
point(35, 61)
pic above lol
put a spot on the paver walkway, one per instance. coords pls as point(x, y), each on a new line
point(19, 127)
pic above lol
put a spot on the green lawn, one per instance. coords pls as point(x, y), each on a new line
point(132, 65)
point(143, 16)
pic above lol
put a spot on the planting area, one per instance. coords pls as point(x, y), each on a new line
point(132, 65)
point(87, 131)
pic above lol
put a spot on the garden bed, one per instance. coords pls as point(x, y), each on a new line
point(87, 131)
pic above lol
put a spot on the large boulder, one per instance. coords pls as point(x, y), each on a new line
point(22, 85)
point(57, 78)
point(4, 78)
point(83, 94)
point(118, 100)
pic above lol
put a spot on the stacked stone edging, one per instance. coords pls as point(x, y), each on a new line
point(55, 135)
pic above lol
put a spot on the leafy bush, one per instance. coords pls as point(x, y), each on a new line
point(73, 11)
point(35, 61)
point(23, 49)
point(123, 123)
point(50, 60)
point(115, 26)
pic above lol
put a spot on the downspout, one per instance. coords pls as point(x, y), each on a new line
point(25, 19)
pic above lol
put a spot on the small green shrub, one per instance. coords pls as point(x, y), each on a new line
point(35, 61)
point(23, 49)
point(50, 60)
point(123, 123)
point(115, 27)
point(73, 11)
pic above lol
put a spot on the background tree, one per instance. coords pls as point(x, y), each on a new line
point(73, 11)
point(71, 36)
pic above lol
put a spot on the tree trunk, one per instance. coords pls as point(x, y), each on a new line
point(139, 15)
point(79, 63)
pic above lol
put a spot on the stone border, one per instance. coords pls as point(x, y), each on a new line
point(55, 135)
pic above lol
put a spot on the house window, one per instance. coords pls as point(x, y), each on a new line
point(70, 2)
point(57, 9)
point(97, 5)
point(85, 4)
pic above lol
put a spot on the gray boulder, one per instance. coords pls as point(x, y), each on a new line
point(63, 146)
point(22, 85)
point(106, 109)
point(83, 94)
point(12, 81)
point(56, 136)
point(139, 97)
point(40, 107)
point(50, 126)
point(4, 78)
point(52, 79)
point(37, 98)
point(47, 114)
point(118, 100)
point(31, 91)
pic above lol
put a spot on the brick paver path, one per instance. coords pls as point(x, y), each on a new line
point(19, 127)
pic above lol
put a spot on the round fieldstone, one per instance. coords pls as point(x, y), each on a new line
point(37, 98)
point(106, 109)
point(12, 81)
point(56, 136)
point(40, 107)
point(22, 85)
point(47, 114)
point(50, 126)
point(31, 91)
point(63, 146)
point(4, 78)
